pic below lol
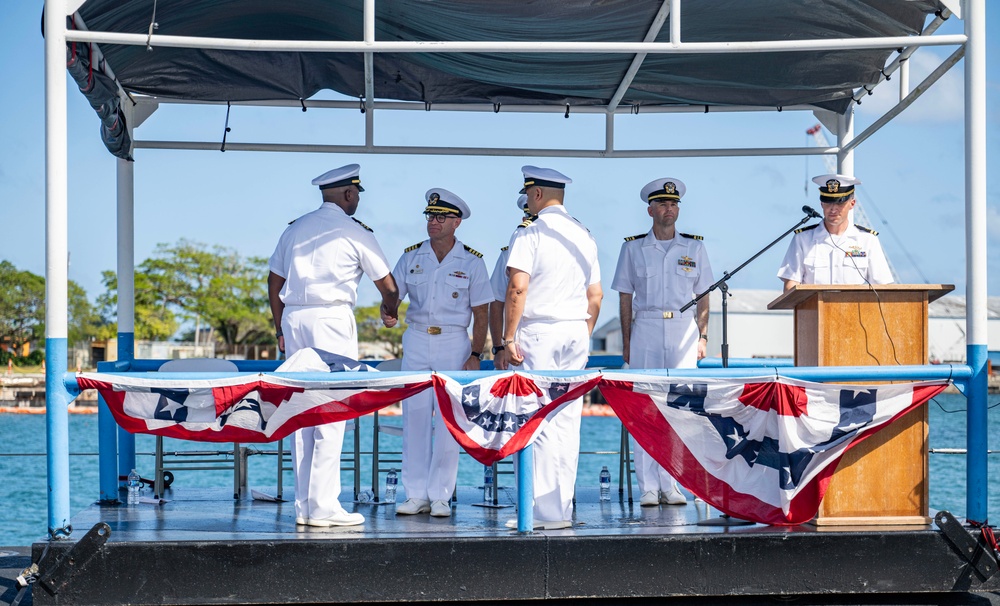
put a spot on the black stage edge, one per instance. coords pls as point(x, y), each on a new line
point(204, 549)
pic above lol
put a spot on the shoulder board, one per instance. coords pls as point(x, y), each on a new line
point(363, 225)
point(866, 229)
point(414, 247)
point(526, 222)
point(692, 236)
point(635, 237)
point(504, 248)
point(473, 251)
point(292, 221)
point(806, 228)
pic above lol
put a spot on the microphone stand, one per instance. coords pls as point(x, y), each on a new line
point(724, 287)
point(725, 519)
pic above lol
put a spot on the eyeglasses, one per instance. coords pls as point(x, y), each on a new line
point(433, 217)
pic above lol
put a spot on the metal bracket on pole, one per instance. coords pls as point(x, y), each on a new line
point(971, 549)
point(59, 574)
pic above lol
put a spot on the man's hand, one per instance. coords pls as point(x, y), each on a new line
point(472, 363)
point(281, 344)
point(625, 353)
point(500, 360)
point(702, 348)
point(514, 355)
point(389, 316)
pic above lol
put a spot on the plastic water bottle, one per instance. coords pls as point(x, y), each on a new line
point(133, 485)
point(487, 483)
point(605, 481)
point(391, 479)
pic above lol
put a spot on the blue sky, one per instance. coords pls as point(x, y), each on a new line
point(912, 172)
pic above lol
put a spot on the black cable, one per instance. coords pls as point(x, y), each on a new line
point(945, 410)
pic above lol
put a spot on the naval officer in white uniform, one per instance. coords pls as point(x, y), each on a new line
point(835, 251)
point(448, 287)
point(658, 273)
point(498, 281)
point(312, 288)
point(553, 299)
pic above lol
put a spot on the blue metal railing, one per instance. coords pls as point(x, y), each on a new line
point(961, 375)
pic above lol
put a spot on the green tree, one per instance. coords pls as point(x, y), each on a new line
point(22, 308)
point(214, 285)
point(371, 330)
point(154, 320)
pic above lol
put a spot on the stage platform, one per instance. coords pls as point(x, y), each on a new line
point(203, 547)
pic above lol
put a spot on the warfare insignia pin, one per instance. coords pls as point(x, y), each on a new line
point(687, 263)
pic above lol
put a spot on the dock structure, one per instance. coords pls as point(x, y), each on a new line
point(202, 547)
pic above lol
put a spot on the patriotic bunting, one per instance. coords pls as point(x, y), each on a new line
point(761, 449)
point(495, 417)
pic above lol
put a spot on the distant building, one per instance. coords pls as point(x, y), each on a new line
point(756, 332)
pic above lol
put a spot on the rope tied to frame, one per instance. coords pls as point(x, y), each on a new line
point(988, 536)
point(226, 132)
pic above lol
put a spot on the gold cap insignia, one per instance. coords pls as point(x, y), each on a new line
point(670, 187)
point(833, 186)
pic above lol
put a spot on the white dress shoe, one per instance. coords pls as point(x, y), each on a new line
point(440, 509)
point(413, 506)
point(340, 518)
point(673, 496)
point(302, 521)
point(650, 498)
point(539, 525)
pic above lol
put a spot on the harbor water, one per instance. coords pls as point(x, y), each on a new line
point(23, 502)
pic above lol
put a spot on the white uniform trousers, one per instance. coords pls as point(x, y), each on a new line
point(316, 450)
point(430, 453)
point(660, 343)
point(556, 450)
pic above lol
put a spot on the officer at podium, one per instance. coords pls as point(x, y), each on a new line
point(835, 251)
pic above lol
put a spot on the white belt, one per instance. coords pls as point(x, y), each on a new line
point(436, 330)
point(653, 314)
point(334, 304)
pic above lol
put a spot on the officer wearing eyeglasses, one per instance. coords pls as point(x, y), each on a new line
point(448, 287)
point(835, 251)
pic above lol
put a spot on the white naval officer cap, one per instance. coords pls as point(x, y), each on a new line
point(543, 177)
point(340, 177)
point(522, 202)
point(667, 188)
point(440, 201)
point(835, 188)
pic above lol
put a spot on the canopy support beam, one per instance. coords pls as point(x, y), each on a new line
point(633, 69)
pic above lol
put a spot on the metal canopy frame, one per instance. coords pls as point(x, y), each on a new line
point(971, 46)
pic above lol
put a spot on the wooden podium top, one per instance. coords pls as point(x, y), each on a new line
point(800, 293)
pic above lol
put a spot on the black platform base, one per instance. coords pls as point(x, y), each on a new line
point(202, 548)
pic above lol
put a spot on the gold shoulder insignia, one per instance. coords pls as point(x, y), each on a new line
point(527, 221)
point(473, 251)
point(635, 237)
point(363, 225)
point(806, 228)
point(692, 236)
point(414, 247)
point(866, 229)
point(504, 248)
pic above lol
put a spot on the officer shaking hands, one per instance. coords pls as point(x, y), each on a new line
point(448, 287)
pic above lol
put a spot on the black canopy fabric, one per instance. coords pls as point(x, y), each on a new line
point(822, 78)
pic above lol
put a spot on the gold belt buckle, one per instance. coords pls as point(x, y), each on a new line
point(668, 315)
point(433, 330)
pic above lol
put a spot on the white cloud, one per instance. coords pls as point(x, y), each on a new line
point(943, 102)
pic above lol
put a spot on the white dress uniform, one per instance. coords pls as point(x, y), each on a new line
point(499, 278)
point(560, 256)
point(442, 295)
point(815, 256)
point(322, 256)
point(662, 276)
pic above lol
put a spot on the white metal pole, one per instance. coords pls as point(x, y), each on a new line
point(675, 23)
point(904, 79)
point(633, 68)
point(369, 75)
point(56, 270)
point(977, 492)
point(609, 132)
point(845, 132)
point(126, 254)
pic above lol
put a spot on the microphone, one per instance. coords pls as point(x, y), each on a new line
point(811, 212)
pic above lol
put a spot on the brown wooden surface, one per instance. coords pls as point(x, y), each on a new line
point(883, 480)
point(791, 298)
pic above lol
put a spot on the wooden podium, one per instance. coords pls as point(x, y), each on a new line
point(883, 480)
